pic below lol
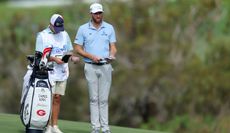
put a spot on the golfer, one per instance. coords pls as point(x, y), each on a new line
point(95, 40)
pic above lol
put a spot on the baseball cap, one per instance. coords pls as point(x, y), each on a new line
point(58, 22)
point(96, 7)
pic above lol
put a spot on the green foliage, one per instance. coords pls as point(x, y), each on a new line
point(184, 124)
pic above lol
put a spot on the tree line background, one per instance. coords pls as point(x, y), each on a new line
point(172, 70)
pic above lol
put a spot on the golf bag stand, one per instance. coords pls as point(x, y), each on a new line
point(36, 102)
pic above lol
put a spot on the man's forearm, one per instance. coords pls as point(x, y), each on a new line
point(113, 50)
point(81, 52)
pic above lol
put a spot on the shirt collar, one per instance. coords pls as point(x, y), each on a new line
point(92, 27)
point(49, 30)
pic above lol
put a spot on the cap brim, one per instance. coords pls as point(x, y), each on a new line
point(95, 11)
point(58, 29)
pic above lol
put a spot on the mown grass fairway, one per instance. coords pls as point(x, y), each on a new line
point(10, 123)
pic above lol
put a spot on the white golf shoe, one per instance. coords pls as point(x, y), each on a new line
point(48, 129)
point(107, 131)
point(55, 129)
point(95, 131)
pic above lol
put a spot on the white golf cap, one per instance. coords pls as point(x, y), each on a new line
point(96, 7)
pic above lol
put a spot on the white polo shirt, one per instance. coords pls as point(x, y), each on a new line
point(61, 44)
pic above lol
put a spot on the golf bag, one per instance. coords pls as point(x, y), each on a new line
point(36, 100)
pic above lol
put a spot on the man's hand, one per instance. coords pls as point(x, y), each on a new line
point(58, 61)
point(74, 59)
point(110, 59)
point(95, 59)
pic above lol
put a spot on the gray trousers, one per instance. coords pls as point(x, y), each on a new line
point(99, 81)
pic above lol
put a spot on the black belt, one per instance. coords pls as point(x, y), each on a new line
point(98, 64)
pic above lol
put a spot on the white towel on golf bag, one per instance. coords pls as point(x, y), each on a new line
point(26, 82)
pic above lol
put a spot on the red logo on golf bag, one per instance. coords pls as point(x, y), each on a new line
point(41, 112)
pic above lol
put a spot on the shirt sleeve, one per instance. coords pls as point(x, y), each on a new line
point(39, 43)
point(112, 38)
point(79, 39)
point(69, 43)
